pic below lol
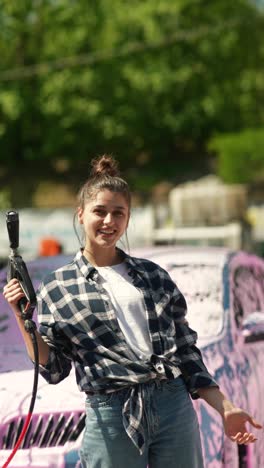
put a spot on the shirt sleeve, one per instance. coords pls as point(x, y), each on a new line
point(59, 362)
point(193, 368)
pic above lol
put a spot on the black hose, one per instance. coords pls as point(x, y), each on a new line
point(30, 327)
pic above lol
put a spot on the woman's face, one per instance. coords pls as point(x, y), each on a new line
point(104, 218)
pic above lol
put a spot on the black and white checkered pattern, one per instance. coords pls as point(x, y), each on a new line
point(78, 322)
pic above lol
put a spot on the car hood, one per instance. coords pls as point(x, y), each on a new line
point(16, 390)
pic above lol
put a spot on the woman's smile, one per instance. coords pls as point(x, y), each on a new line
point(106, 233)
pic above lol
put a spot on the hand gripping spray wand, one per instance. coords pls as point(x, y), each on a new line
point(17, 269)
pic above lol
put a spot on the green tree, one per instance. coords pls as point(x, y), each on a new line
point(149, 81)
point(240, 155)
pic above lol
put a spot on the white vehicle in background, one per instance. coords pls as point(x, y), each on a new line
point(225, 296)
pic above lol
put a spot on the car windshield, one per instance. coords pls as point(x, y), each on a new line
point(202, 288)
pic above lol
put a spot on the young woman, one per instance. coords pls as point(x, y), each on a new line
point(121, 321)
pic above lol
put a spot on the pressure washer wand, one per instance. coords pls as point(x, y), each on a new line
point(17, 267)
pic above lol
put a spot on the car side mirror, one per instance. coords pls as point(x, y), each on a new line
point(253, 327)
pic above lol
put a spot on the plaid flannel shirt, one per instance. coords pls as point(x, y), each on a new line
point(79, 324)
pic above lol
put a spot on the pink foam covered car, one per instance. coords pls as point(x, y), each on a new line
point(225, 296)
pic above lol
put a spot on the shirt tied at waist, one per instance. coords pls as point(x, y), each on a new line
point(133, 397)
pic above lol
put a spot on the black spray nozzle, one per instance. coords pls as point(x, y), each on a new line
point(12, 223)
point(17, 268)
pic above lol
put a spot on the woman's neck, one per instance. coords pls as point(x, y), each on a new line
point(102, 258)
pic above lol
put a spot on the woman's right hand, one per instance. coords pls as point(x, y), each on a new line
point(13, 292)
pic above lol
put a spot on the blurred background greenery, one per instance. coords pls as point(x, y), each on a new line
point(173, 88)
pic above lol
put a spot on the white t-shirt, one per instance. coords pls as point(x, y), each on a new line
point(129, 306)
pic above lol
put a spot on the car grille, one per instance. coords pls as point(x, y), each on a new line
point(45, 430)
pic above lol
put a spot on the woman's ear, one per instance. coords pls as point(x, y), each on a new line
point(80, 215)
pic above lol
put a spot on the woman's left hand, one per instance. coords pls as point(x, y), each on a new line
point(234, 420)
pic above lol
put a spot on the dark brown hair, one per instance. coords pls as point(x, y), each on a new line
point(104, 174)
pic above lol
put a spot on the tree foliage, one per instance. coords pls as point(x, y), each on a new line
point(150, 81)
point(241, 155)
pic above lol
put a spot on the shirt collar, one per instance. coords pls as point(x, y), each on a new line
point(133, 263)
point(87, 269)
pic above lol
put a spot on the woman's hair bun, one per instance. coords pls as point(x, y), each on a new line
point(104, 165)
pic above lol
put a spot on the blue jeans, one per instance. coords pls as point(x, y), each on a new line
point(171, 426)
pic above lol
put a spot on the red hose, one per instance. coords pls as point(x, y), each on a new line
point(22, 435)
point(30, 327)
